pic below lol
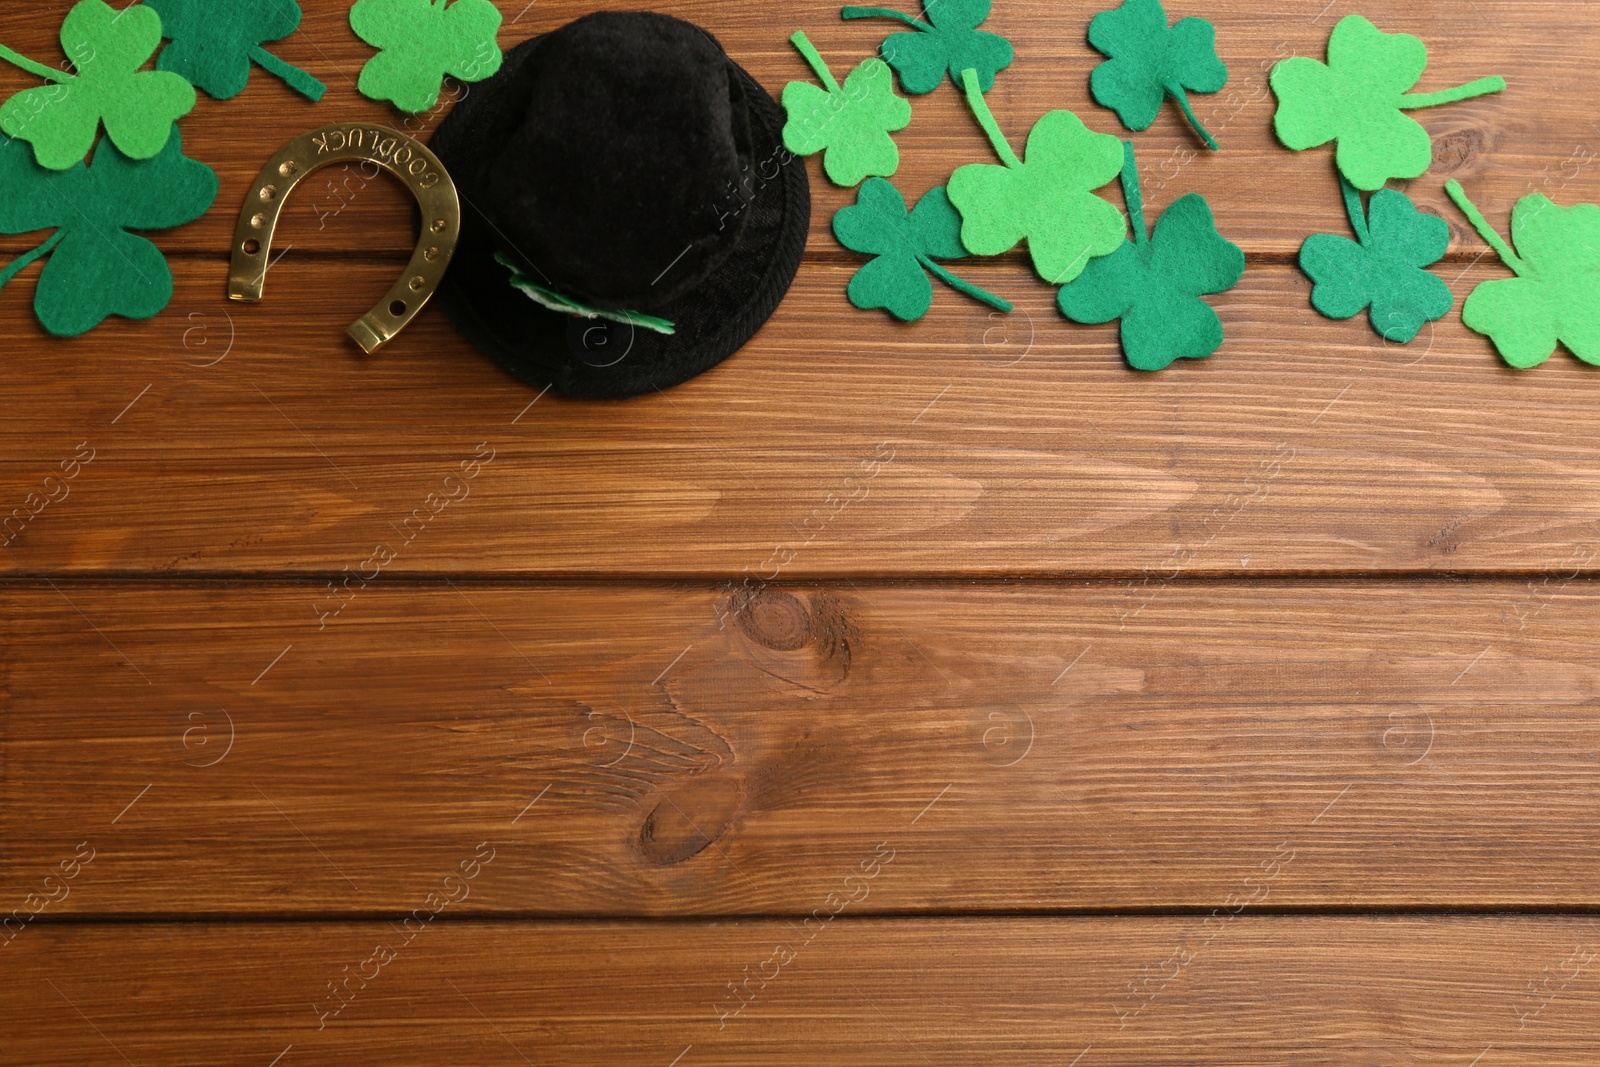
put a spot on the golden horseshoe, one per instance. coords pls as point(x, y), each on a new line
point(410, 161)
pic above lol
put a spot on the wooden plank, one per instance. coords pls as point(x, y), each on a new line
point(1048, 814)
point(228, 439)
point(1191, 990)
point(1542, 135)
point(670, 751)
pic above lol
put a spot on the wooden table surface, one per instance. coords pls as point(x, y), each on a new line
point(894, 694)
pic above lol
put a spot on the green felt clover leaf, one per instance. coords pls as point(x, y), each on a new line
point(1555, 296)
point(1150, 62)
point(949, 41)
point(1383, 268)
point(1049, 200)
point(851, 124)
point(97, 268)
point(420, 42)
point(905, 247)
point(1154, 284)
point(215, 41)
point(1358, 98)
point(107, 47)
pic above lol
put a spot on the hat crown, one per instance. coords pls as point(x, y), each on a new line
point(616, 182)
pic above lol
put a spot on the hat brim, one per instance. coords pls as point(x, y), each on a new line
point(597, 358)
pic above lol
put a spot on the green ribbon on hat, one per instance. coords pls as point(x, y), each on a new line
point(544, 295)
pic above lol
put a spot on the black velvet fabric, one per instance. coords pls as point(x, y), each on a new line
point(626, 161)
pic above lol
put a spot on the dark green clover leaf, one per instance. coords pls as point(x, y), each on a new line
point(1049, 200)
point(850, 123)
point(1150, 62)
point(1555, 296)
point(1359, 99)
point(107, 47)
point(1383, 268)
point(1154, 284)
point(906, 247)
point(97, 268)
point(949, 42)
point(215, 41)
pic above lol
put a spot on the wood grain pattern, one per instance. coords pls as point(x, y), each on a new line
point(1237, 714)
point(1242, 989)
point(1540, 135)
point(962, 444)
point(654, 751)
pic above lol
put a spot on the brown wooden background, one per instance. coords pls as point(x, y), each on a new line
point(1245, 713)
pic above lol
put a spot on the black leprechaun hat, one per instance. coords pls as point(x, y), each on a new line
point(630, 216)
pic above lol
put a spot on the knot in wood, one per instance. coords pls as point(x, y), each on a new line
point(1452, 151)
point(688, 819)
point(775, 619)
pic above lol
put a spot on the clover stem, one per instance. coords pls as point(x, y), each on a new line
point(39, 70)
point(985, 117)
point(293, 76)
point(1182, 98)
point(883, 13)
point(1353, 207)
point(1487, 232)
point(1449, 96)
point(1132, 194)
point(814, 58)
point(963, 286)
point(18, 265)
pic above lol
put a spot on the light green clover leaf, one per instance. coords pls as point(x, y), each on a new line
point(1154, 284)
point(107, 47)
point(97, 268)
point(949, 42)
point(1048, 200)
point(1358, 98)
point(1555, 296)
point(905, 247)
point(850, 124)
point(421, 41)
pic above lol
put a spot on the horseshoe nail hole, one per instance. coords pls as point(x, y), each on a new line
point(431, 254)
point(289, 168)
point(438, 225)
point(397, 308)
point(417, 283)
point(269, 193)
point(258, 221)
point(252, 246)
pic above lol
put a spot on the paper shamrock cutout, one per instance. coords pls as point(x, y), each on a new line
point(107, 48)
point(420, 42)
point(215, 41)
point(97, 268)
point(1555, 296)
point(1049, 200)
point(1154, 284)
point(1383, 267)
point(565, 305)
point(850, 124)
point(949, 41)
point(905, 247)
point(1150, 62)
point(1358, 98)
